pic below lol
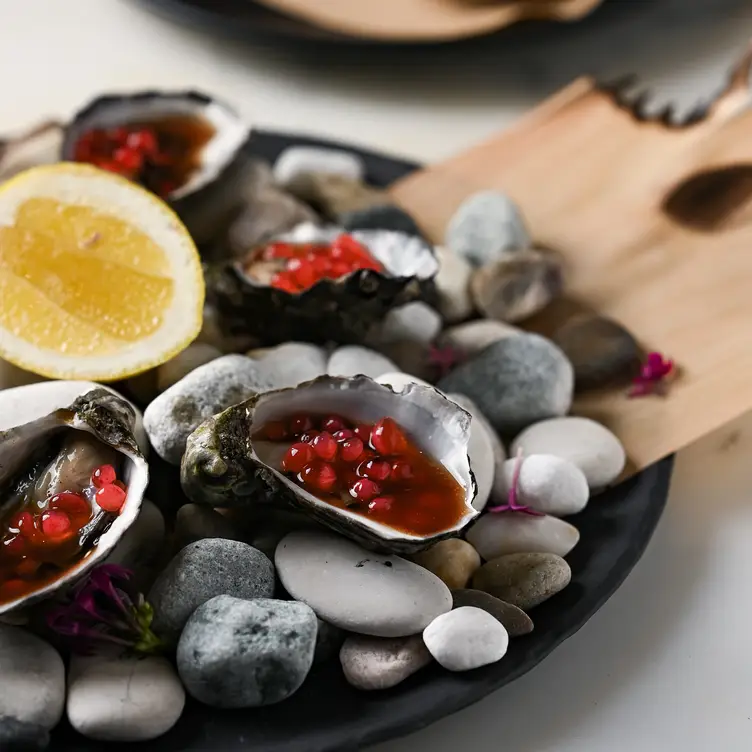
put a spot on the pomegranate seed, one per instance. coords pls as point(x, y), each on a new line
point(120, 484)
point(319, 475)
point(343, 435)
point(23, 523)
point(14, 546)
point(297, 457)
point(387, 437)
point(325, 446)
point(130, 159)
point(374, 469)
point(340, 270)
point(56, 524)
point(300, 424)
point(110, 498)
point(119, 135)
point(363, 432)
point(401, 470)
point(352, 449)
point(364, 489)
point(302, 272)
point(309, 436)
point(276, 431)
point(279, 251)
point(283, 281)
point(333, 423)
point(104, 475)
point(71, 503)
point(144, 141)
point(381, 504)
point(27, 567)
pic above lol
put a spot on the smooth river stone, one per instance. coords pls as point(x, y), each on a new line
point(453, 561)
point(414, 322)
point(292, 363)
point(546, 483)
point(513, 619)
point(473, 337)
point(380, 663)
point(453, 285)
point(495, 535)
point(195, 522)
point(466, 638)
point(352, 360)
point(524, 580)
point(300, 160)
point(358, 590)
point(515, 382)
point(583, 442)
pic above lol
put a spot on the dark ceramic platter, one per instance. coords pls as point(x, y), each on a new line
point(327, 715)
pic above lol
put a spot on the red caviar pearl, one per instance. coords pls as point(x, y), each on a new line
point(279, 251)
point(285, 282)
point(110, 498)
point(143, 140)
point(319, 475)
point(14, 546)
point(401, 470)
point(276, 431)
point(334, 423)
point(71, 503)
point(27, 567)
point(375, 469)
point(103, 476)
point(300, 424)
point(343, 435)
point(302, 272)
point(364, 489)
point(309, 436)
point(387, 437)
point(297, 457)
point(363, 432)
point(23, 523)
point(56, 523)
point(340, 270)
point(352, 449)
point(381, 504)
point(130, 159)
point(325, 446)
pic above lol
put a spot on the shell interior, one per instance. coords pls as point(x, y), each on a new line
point(438, 427)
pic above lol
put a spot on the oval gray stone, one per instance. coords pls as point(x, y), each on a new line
point(524, 580)
point(203, 570)
point(352, 360)
point(300, 160)
point(413, 322)
point(513, 619)
point(583, 442)
point(195, 522)
point(475, 336)
point(515, 382)
point(373, 663)
point(292, 363)
point(244, 654)
point(358, 590)
point(453, 285)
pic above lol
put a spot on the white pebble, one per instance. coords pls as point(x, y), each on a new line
point(453, 285)
point(495, 535)
point(475, 336)
point(292, 363)
point(414, 322)
point(466, 638)
point(300, 160)
point(585, 443)
point(352, 360)
point(182, 364)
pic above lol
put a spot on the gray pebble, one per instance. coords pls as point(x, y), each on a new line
point(515, 382)
point(524, 580)
point(17, 736)
point(244, 654)
point(203, 570)
point(583, 442)
point(466, 638)
point(352, 360)
point(453, 285)
point(384, 217)
point(473, 337)
point(514, 619)
point(195, 522)
point(329, 640)
point(485, 227)
point(300, 160)
point(371, 663)
point(291, 364)
point(172, 417)
point(414, 322)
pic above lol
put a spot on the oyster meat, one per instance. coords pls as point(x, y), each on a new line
point(233, 459)
point(58, 518)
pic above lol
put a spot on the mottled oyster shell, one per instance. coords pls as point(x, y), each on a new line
point(224, 466)
point(33, 415)
point(341, 309)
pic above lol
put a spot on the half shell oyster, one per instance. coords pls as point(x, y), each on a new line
point(342, 309)
point(51, 452)
point(226, 464)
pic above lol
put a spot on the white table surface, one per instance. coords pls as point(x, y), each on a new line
point(667, 664)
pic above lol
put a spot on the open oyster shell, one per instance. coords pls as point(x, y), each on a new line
point(24, 430)
point(341, 309)
point(224, 466)
point(211, 194)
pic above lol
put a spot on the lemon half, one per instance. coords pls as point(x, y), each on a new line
point(99, 279)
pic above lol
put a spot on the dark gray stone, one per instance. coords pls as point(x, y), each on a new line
point(385, 217)
point(17, 736)
point(203, 570)
point(196, 522)
point(513, 619)
point(515, 382)
point(243, 654)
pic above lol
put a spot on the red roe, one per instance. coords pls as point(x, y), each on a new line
point(372, 470)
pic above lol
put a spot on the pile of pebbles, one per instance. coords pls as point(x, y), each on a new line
point(248, 603)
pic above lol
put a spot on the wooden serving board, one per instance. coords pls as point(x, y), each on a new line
point(654, 221)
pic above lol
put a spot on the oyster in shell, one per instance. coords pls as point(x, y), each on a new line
point(55, 451)
point(342, 309)
point(227, 464)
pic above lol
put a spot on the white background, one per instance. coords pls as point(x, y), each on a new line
point(667, 663)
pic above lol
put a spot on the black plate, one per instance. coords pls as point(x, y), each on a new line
point(328, 715)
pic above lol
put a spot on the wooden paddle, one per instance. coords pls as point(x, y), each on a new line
point(655, 223)
point(426, 20)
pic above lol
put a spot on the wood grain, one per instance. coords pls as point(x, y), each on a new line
point(618, 196)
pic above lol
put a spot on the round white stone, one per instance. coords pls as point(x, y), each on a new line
point(352, 360)
point(495, 535)
point(358, 590)
point(123, 699)
point(291, 364)
point(547, 483)
point(453, 285)
point(474, 336)
point(183, 363)
point(585, 443)
point(300, 160)
point(466, 638)
point(414, 322)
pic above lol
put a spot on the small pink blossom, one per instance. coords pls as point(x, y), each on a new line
point(653, 377)
point(512, 505)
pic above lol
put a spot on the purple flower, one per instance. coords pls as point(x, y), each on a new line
point(512, 505)
point(653, 376)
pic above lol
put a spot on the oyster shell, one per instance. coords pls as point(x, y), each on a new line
point(225, 466)
point(36, 415)
point(210, 196)
point(342, 309)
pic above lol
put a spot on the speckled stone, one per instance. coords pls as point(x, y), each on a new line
point(453, 285)
point(514, 619)
point(383, 217)
point(453, 561)
point(237, 653)
point(515, 382)
point(296, 161)
point(172, 417)
point(372, 663)
point(473, 337)
point(524, 580)
point(352, 360)
point(485, 227)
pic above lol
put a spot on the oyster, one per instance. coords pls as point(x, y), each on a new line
point(200, 163)
point(51, 446)
point(341, 309)
point(227, 463)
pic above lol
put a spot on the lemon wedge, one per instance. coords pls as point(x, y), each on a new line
point(99, 279)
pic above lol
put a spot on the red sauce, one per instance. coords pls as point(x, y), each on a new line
point(161, 154)
point(372, 470)
point(295, 267)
